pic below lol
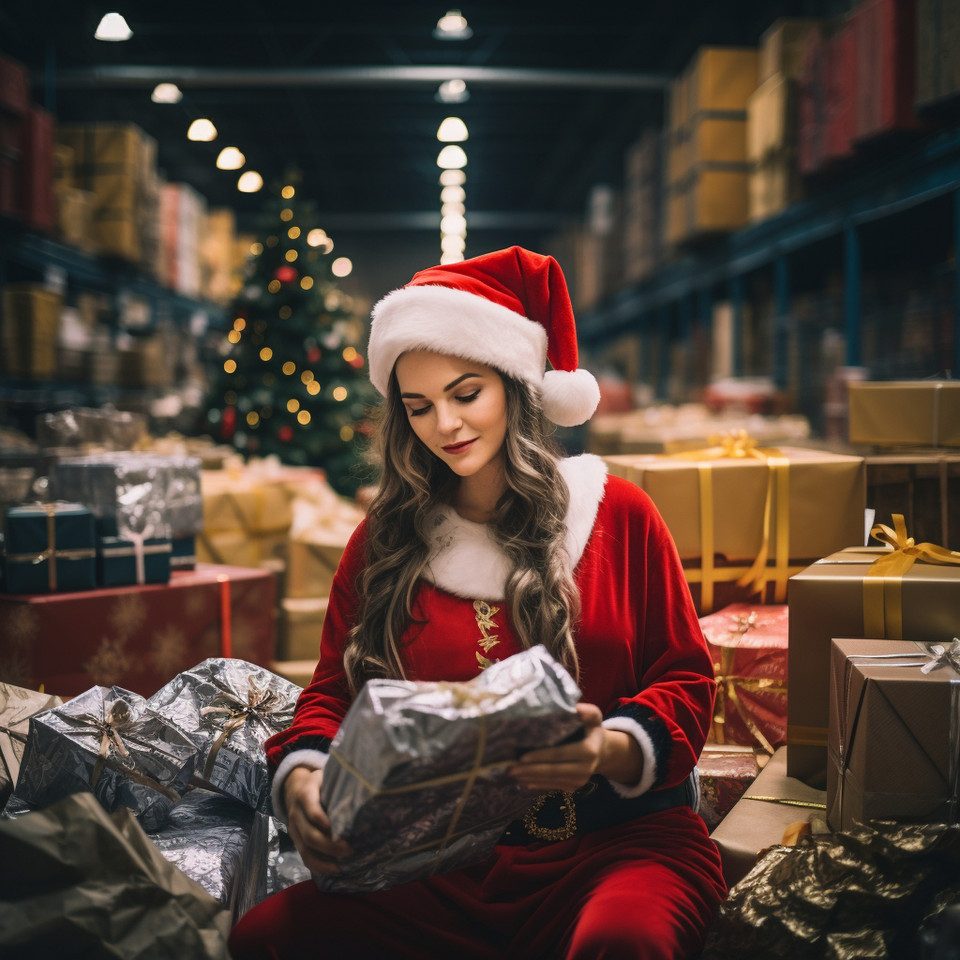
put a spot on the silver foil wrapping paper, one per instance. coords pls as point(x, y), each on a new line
point(206, 837)
point(416, 781)
point(139, 493)
point(229, 707)
point(106, 740)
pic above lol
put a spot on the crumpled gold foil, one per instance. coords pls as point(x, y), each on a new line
point(840, 896)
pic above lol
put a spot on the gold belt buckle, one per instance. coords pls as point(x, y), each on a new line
point(568, 806)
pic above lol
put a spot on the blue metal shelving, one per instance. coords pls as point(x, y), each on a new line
point(871, 192)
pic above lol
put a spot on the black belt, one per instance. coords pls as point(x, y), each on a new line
point(595, 806)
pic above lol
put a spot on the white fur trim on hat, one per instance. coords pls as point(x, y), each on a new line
point(451, 321)
point(570, 396)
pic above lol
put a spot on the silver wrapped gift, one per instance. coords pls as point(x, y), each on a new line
point(416, 781)
point(230, 707)
point(135, 493)
point(206, 837)
point(107, 740)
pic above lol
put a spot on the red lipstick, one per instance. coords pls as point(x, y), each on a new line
point(456, 448)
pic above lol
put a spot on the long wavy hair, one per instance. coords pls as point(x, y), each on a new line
point(529, 525)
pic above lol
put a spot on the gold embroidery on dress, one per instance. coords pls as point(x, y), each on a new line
point(485, 613)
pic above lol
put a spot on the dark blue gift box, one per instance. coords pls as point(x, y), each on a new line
point(184, 555)
point(49, 547)
point(122, 561)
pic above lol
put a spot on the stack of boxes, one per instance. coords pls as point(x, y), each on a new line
point(642, 231)
point(707, 166)
point(938, 67)
point(772, 119)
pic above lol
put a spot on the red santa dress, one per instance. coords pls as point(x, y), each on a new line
point(640, 878)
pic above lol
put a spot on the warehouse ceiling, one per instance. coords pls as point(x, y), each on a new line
point(346, 93)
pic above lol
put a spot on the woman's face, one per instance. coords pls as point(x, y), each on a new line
point(457, 408)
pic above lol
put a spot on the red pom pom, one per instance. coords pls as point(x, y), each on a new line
point(285, 273)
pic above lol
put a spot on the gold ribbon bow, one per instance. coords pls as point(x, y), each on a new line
point(739, 445)
point(109, 726)
point(231, 713)
point(882, 601)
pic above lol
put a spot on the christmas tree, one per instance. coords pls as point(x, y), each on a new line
point(290, 379)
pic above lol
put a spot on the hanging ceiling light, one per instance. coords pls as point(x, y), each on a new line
point(230, 158)
point(451, 258)
point(452, 26)
point(202, 129)
point(452, 243)
point(452, 157)
point(454, 208)
point(452, 178)
point(453, 194)
point(452, 130)
point(112, 27)
point(341, 267)
point(452, 91)
point(455, 224)
point(250, 182)
point(166, 93)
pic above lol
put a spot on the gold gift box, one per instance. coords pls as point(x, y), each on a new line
point(808, 502)
point(883, 705)
point(759, 819)
point(826, 601)
point(909, 412)
point(311, 564)
point(302, 624)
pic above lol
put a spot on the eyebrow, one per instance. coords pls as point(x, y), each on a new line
point(449, 386)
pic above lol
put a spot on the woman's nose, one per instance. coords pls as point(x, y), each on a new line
point(448, 418)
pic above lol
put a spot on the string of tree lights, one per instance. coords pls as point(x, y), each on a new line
point(290, 378)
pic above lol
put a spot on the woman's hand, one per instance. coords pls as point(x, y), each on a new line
point(612, 753)
point(308, 823)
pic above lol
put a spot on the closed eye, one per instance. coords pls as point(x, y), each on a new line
point(418, 411)
point(470, 397)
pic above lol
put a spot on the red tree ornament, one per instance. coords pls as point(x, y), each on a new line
point(228, 423)
point(313, 355)
point(285, 433)
point(285, 273)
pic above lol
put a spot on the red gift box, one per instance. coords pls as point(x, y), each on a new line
point(137, 637)
point(886, 66)
point(724, 772)
point(37, 205)
point(14, 85)
point(748, 645)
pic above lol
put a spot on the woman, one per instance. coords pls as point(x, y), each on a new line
point(481, 542)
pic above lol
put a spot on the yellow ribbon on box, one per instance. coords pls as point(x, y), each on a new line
point(50, 555)
point(741, 446)
point(882, 600)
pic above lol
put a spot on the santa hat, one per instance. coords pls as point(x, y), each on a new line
point(509, 310)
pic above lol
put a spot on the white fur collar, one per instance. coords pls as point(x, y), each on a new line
point(466, 561)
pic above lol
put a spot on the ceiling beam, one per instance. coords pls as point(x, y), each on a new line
point(142, 76)
point(430, 220)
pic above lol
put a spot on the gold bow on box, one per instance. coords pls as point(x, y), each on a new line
point(882, 601)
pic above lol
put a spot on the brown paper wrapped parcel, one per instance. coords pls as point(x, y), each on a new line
point(894, 741)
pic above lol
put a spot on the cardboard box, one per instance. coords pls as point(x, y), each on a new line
point(37, 206)
point(775, 184)
point(894, 741)
point(910, 412)
point(138, 637)
point(31, 330)
point(771, 118)
point(832, 598)
point(719, 199)
point(782, 48)
point(773, 802)
point(721, 78)
point(311, 565)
